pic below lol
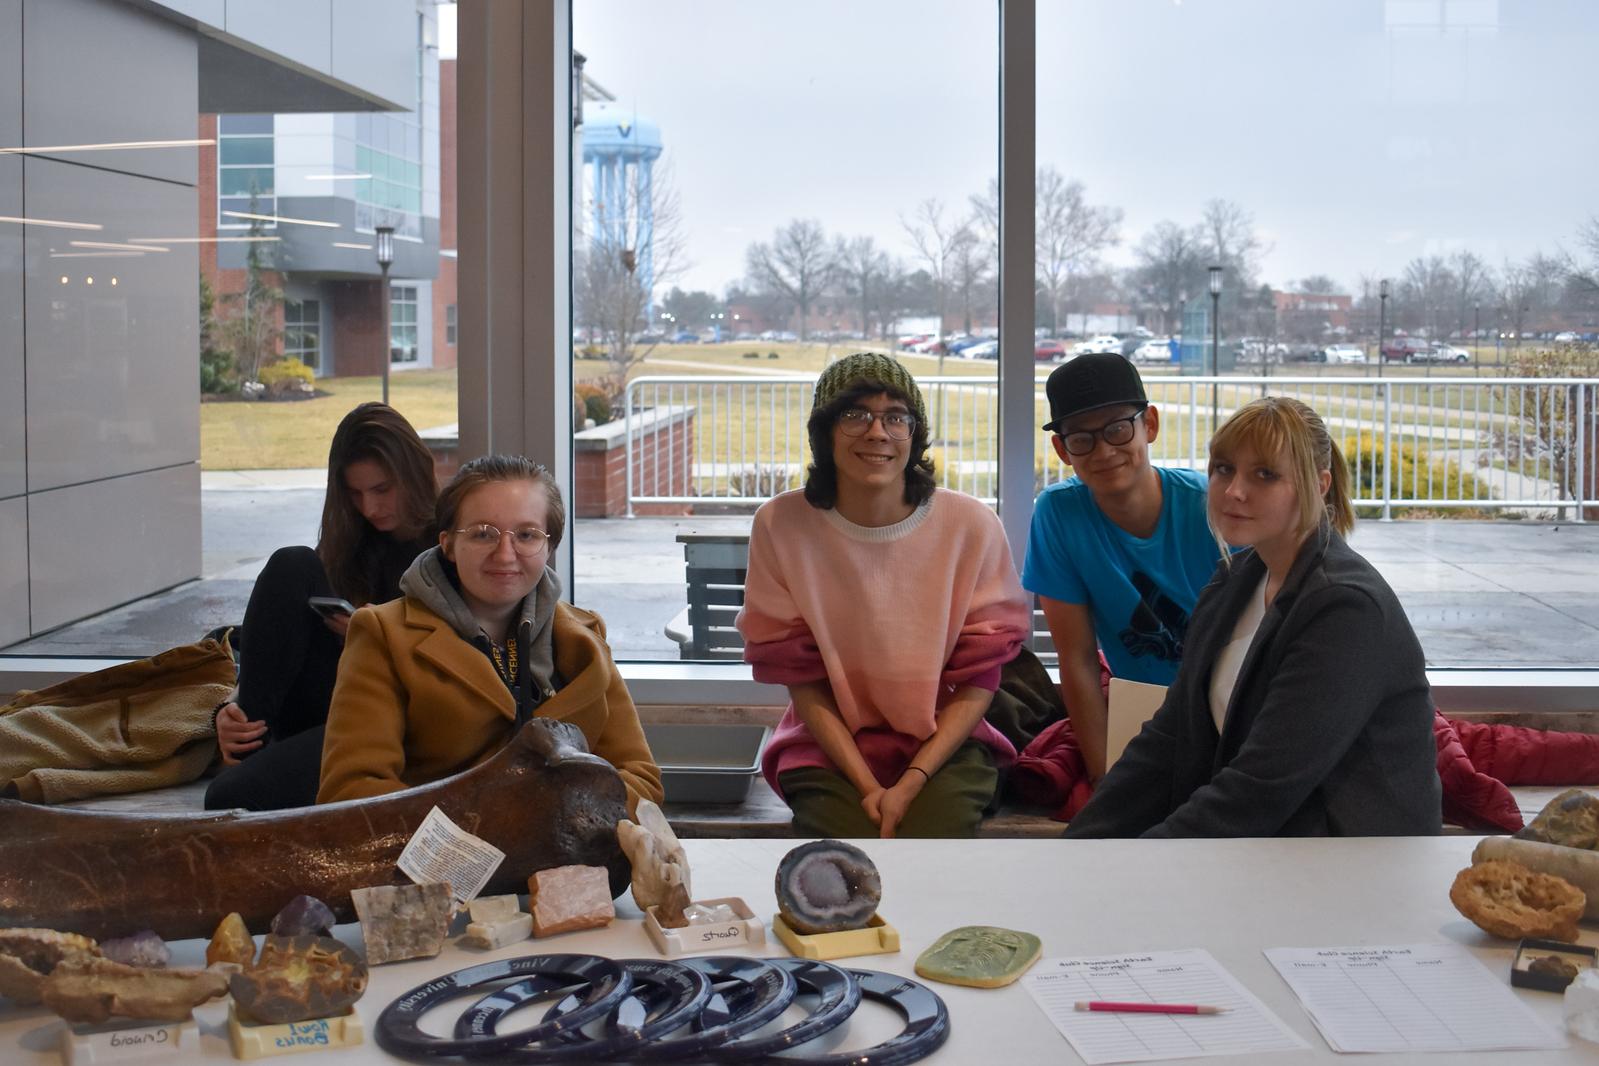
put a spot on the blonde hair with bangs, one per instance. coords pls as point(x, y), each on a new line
point(1279, 426)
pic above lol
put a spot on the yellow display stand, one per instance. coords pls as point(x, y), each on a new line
point(877, 938)
point(252, 1041)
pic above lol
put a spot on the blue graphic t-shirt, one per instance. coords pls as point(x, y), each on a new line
point(1139, 590)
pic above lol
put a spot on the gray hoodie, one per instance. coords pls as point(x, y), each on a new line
point(428, 581)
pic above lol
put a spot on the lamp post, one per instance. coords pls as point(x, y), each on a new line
point(717, 318)
point(1476, 336)
point(1215, 343)
point(385, 250)
point(1382, 319)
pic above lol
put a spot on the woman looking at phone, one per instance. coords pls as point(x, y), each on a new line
point(377, 516)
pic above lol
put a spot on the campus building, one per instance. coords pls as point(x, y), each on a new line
point(100, 251)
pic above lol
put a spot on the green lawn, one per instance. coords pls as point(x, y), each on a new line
point(256, 435)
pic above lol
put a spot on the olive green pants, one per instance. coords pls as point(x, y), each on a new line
point(950, 804)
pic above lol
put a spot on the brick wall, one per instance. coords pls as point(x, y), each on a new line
point(599, 471)
point(359, 346)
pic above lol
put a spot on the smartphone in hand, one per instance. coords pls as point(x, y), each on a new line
point(328, 606)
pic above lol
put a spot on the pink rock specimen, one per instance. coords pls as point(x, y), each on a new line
point(565, 898)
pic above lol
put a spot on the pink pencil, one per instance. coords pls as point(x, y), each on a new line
point(1147, 1008)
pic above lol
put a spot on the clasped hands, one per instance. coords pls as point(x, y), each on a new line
point(886, 807)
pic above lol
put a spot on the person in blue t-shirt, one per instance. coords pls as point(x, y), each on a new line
point(1118, 554)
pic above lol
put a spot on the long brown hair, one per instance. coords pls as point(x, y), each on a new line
point(486, 468)
point(1278, 425)
point(377, 432)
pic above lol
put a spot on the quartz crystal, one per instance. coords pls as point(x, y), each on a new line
point(141, 949)
point(1582, 1005)
point(231, 943)
point(304, 916)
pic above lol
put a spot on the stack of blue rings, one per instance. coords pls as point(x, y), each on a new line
point(648, 1010)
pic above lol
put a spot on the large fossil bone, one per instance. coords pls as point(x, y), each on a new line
point(543, 800)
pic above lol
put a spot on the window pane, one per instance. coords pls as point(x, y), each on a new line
point(245, 150)
point(1173, 138)
point(206, 311)
point(246, 180)
point(705, 214)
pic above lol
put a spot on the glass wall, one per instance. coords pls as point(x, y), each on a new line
point(762, 189)
point(189, 284)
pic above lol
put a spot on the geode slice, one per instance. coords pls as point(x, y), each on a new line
point(826, 886)
point(303, 916)
point(403, 921)
point(299, 978)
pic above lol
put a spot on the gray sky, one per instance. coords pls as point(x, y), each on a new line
point(1359, 133)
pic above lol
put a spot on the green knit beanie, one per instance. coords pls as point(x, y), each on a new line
point(868, 368)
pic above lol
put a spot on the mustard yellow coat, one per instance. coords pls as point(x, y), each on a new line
point(414, 703)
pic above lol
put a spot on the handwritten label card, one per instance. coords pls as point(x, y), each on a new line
point(1187, 976)
point(440, 850)
point(1417, 997)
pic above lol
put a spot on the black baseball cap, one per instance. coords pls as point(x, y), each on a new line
point(1090, 382)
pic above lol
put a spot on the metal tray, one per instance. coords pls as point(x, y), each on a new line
point(707, 763)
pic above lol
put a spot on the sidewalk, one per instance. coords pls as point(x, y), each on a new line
point(1480, 594)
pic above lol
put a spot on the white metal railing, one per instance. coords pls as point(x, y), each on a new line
point(1491, 444)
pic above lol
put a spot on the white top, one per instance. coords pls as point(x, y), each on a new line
point(1234, 898)
point(1224, 675)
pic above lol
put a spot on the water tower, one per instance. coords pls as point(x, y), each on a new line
point(619, 154)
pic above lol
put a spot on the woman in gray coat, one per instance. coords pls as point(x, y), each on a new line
point(1301, 707)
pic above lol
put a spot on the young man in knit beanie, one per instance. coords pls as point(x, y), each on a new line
point(1119, 553)
point(886, 606)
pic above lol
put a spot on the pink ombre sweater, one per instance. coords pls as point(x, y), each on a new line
point(895, 618)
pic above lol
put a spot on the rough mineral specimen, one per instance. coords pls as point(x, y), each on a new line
point(1582, 1005)
point(299, 978)
point(303, 916)
point(565, 898)
point(979, 956)
point(27, 956)
point(660, 865)
point(826, 886)
point(403, 921)
point(231, 943)
point(1570, 819)
point(1509, 900)
point(141, 949)
point(93, 990)
point(497, 921)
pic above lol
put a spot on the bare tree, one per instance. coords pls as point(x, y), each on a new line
point(1473, 284)
point(938, 241)
point(1426, 291)
point(865, 272)
point(1231, 242)
point(1584, 277)
point(798, 264)
point(1170, 265)
point(1316, 285)
point(630, 251)
point(1070, 235)
point(249, 325)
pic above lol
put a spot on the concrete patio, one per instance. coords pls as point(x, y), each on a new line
point(1480, 594)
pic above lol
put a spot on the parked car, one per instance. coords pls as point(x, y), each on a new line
point(1567, 337)
point(1404, 350)
point(1342, 353)
point(1104, 344)
point(1054, 351)
point(685, 336)
point(981, 350)
point(1439, 352)
point(1157, 350)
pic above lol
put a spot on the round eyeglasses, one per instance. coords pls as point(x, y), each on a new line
point(1115, 433)
point(855, 421)
point(526, 540)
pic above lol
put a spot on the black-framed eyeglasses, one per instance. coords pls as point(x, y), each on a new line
point(855, 421)
point(525, 540)
point(1117, 431)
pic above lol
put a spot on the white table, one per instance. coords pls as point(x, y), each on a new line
point(1232, 897)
